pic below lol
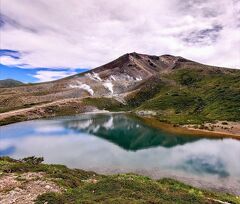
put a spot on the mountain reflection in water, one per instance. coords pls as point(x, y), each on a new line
point(126, 132)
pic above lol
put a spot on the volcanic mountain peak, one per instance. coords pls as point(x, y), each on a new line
point(123, 75)
point(149, 63)
point(138, 65)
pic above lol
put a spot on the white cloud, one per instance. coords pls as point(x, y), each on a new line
point(88, 33)
point(43, 76)
point(7, 60)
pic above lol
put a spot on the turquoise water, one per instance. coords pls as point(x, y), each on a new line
point(112, 143)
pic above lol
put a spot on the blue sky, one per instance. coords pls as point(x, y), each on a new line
point(33, 74)
point(29, 75)
point(24, 75)
point(45, 40)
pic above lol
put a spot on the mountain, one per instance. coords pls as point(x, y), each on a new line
point(6, 83)
point(173, 88)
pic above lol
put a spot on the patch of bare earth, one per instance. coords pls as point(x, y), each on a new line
point(220, 127)
point(227, 127)
point(24, 188)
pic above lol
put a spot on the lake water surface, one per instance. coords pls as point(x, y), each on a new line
point(116, 143)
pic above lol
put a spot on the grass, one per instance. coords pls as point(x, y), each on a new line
point(122, 188)
point(104, 103)
point(148, 90)
point(196, 97)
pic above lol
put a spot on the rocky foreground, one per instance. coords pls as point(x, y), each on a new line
point(29, 181)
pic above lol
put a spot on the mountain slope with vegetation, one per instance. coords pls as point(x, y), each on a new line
point(195, 97)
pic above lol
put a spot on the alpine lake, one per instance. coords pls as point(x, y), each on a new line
point(113, 143)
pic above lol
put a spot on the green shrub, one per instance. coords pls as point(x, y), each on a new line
point(33, 160)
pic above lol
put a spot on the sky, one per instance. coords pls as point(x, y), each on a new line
point(45, 40)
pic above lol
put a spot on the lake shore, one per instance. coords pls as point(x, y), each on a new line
point(220, 129)
point(229, 130)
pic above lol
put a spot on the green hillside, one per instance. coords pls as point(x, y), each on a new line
point(191, 96)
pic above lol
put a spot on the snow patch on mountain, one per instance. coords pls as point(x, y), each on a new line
point(112, 78)
point(108, 85)
point(94, 76)
point(85, 87)
point(139, 79)
point(124, 77)
point(90, 76)
point(129, 78)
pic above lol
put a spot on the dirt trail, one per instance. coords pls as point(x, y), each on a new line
point(23, 110)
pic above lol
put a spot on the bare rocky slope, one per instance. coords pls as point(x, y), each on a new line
point(173, 87)
point(114, 79)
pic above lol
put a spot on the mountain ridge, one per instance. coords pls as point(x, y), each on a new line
point(170, 61)
point(6, 83)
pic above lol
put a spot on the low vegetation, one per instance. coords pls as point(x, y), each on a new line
point(196, 97)
point(104, 103)
point(88, 187)
point(147, 91)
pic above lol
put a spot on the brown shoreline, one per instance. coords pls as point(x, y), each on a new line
point(187, 130)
